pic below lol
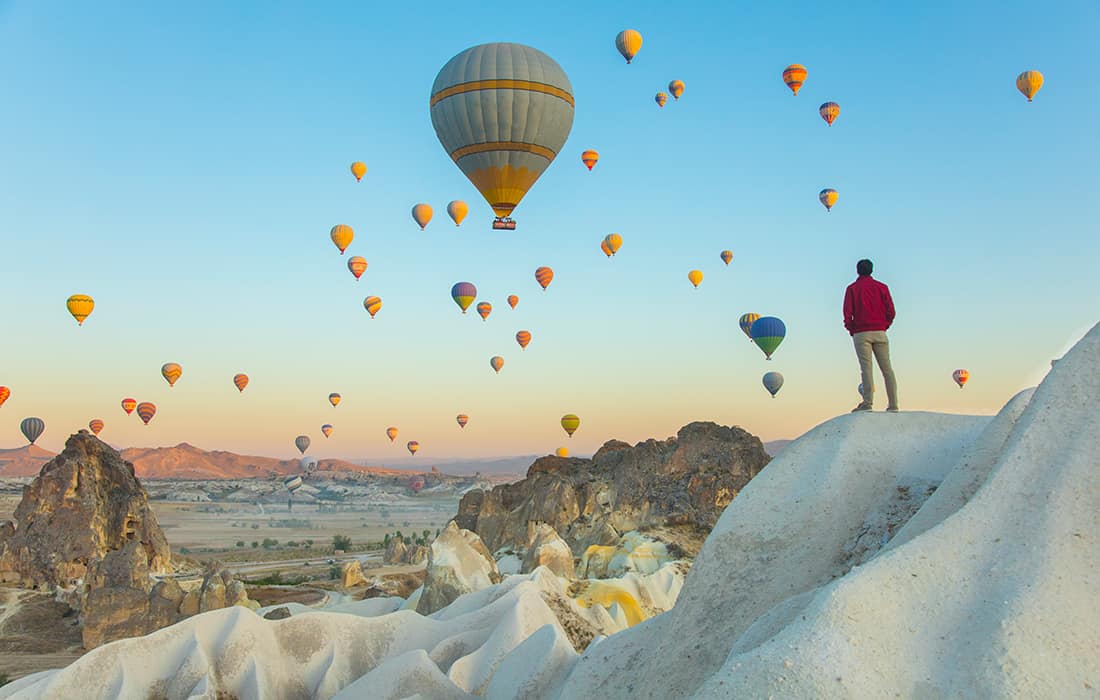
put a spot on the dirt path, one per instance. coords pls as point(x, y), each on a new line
point(36, 633)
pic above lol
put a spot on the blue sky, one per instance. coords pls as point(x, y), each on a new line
point(183, 165)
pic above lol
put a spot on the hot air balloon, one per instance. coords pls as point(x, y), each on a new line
point(676, 88)
point(372, 305)
point(502, 112)
point(326, 429)
point(589, 158)
point(961, 377)
point(1029, 83)
point(484, 308)
point(768, 332)
point(358, 265)
point(293, 482)
point(544, 276)
point(240, 381)
point(746, 322)
point(391, 433)
point(146, 410)
point(496, 362)
point(562, 452)
point(457, 210)
point(614, 241)
point(464, 294)
point(80, 306)
point(628, 42)
point(605, 248)
point(171, 372)
point(96, 425)
point(570, 423)
point(308, 464)
point(773, 382)
point(32, 428)
point(422, 214)
point(342, 236)
point(660, 98)
point(334, 399)
point(302, 443)
point(727, 256)
point(462, 419)
point(129, 405)
point(358, 169)
point(794, 75)
point(828, 197)
point(523, 338)
point(695, 277)
point(416, 483)
point(513, 300)
point(413, 446)
point(829, 112)
point(4, 394)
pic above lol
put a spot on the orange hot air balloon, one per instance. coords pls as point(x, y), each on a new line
point(513, 300)
point(695, 277)
point(96, 425)
point(484, 308)
point(496, 362)
point(589, 158)
point(829, 112)
point(676, 88)
point(605, 248)
point(628, 42)
point(422, 214)
point(146, 411)
point(462, 419)
point(334, 399)
point(391, 433)
point(544, 276)
point(457, 210)
point(727, 256)
point(4, 394)
point(342, 236)
point(129, 405)
point(240, 381)
point(794, 75)
point(413, 446)
point(171, 372)
point(358, 265)
point(561, 452)
point(961, 377)
point(358, 169)
point(660, 98)
point(614, 241)
point(523, 338)
point(1029, 82)
point(372, 305)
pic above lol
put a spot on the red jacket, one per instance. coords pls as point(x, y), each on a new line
point(867, 306)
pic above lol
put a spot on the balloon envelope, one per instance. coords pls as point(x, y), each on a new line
point(80, 306)
point(695, 277)
point(422, 214)
point(146, 410)
point(513, 300)
point(358, 265)
point(464, 294)
point(746, 322)
point(829, 112)
point(302, 443)
point(794, 75)
point(341, 235)
point(484, 309)
point(240, 381)
point(4, 394)
point(660, 98)
point(961, 377)
point(96, 425)
point(544, 276)
point(462, 419)
point(457, 210)
point(334, 399)
point(590, 158)
point(171, 372)
point(496, 362)
point(562, 452)
point(727, 256)
point(372, 305)
point(676, 88)
point(358, 169)
point(628, 42)
point(614, 241)
point(293, 482)
point(129, 405)
point(391, 433)
point(570, 423)
point(326, 429)
point(828, 197)
point(413, 446)
point(523, 338)
point(1029, 82)
point(768, 332)
point(773, 381)
point(32, 428)
point(307, 464)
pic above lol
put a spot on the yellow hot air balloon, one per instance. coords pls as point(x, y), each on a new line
point(457, 210)
point(372, 305)
point(391, 433)
point(828, 197)
point(628, 42)
point(358, 169)
point(484, 308)
point(829, 112)
point(676, 88)
point(80, 306)
point(614, 241)
point(727, 256)
point(794, 75)
point(496, 362)
point(1029, 83)
point(171, 372)
point(605, 248)
point(544, 276)
point(413, 446)
point(341, 235)
point(589, 158)
point(502, 112)
point(695, 277)
point(570, 423)
point(422, 214)
point(358, 265)
point(561, 452)
point(661, 98)
point(240, 381)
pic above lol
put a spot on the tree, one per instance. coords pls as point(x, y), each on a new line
point(240, 543)
point(427, 534)
point(255, 544)
point(386, 541)
point(342, 542)
point(269, 543)
point(333, 573)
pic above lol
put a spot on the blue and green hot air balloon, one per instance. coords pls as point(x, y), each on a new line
point(768, 332)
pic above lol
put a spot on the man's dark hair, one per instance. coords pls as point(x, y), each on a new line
point(865, 267)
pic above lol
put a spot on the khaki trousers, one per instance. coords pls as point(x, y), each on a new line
point(875, 343)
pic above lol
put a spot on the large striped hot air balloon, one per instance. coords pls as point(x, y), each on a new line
point(676, 88)
point(513, 300)
point(628, 42)
point(496, 362)
point(484, 308)
point(523, 338)
point(961, 377)
point(695, 277)
point(358, 265)
point(4, 394)
point(746, 322)
point(544, 276)
point(457, 210)
point(726, 255)
point(326, 429)
point(829, 112)
point(422, 214)
point(391, 433)
point(341, 235)
point(302, 443)
point(794, 75)
point(773, 382)
point(462, 419)
point(96, 426)
point(768, 332)
point(171, 371)
point(570, 423)
point(412, 446)
point(146, 410)
point(828, 197)
point(372, 305)
point(502, 112)
point(335, 399)
point(590, 158)
point(129, 405)
point(240, 381)
point(1029, 82)
point(80, 306)
point(293, 482)
point(358, 169)
point(32, 428)
point(464, 294)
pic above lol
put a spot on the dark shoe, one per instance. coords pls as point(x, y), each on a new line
point(862, 407)
point(892, 409)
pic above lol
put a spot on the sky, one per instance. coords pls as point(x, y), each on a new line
point(183, 164)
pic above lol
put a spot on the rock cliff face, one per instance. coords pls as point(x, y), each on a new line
point(458, 563)
point(681, 483)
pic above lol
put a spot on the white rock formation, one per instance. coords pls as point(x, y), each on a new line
point(458, 563)
point(547, 548)
point(634, 552)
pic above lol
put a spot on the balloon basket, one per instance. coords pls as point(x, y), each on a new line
point(504, 225)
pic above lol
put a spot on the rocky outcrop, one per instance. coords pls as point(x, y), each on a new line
point(547, 548)
point(682, 483)
point(458, 563)
point(85, 504)
point(352, 575)
point(398, 552)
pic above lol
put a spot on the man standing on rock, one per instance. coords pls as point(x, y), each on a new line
point(868, 313)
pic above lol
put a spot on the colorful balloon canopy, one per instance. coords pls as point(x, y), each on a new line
point(372, 305)
point(412, 446)
point(496, 362)
point(32, 428)
point(695, 277)
point(391, 433)
point(605, 248)
point(293, 482)
point(562, 452)
point(129, 405)
point(614, 241)
point(590, 158)
point(422, 214)
point(462, 419)
point(773, 382)
point(570, 423)
point(308, 464)
point(464, 294)
point(4, 394)
point(513, 300)
point(523, 338)
point(358, 169)
point(768, 332)
point(726, 255)
point(334, 399)
point(146, 410)
point(628, 42)
point(484, 308)
point(746, 322)
point(829, 112)
point(544, 276)
point(171, 372)
point(502, 113)
point(240, 381)
point(676, 88)
point(828, 197)
point(326, 429)
point(794, 75)
point(1029, 82)
point(660, 98)
point(80, 306)
point(457, 210)
point(302, 443)
point(96, 425)
point(341, 235)
point(358, 265)
point(961, 377)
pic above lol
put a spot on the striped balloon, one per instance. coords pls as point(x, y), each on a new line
point(422, 214)
point(358, 265)
point(768, 332)
point(628, 42)
point(523, 338)
point(746, 322)
point(496, 362)
point(544, 276)
point(293, 482)
point(829, 112)
point(412, 446)
point(828, 197)
point(462, 419)
point(4, 394)
point(240, 381)
point(570, 423)
point(96, 425)
point(302, 443)
point(391, 433)
point(326, 429)
point(605, 248)
point(695, 277)
point(484, 309)
point(1029, 82)
point(660, 98)
point(335, 399)
point(146, 410)
point(341, 235)
point(457, 210)
point(32, 428)
point(513, 300)
point(773, 382)
point(464, 294)
point(961, 377)
point(80, 306)
point(794, 75)
point(727, 256)
point(590, 158)
point(372, 305)
point(171, 372)
point(676, 88)
point(129, 405)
